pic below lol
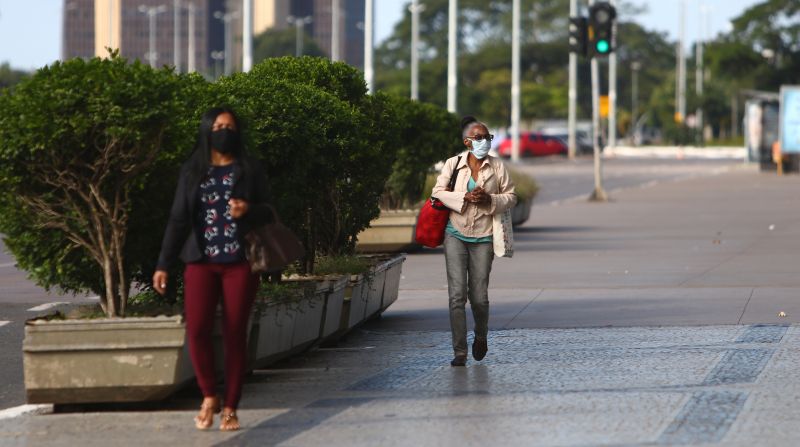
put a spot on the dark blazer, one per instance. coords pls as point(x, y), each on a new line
point(182, 238)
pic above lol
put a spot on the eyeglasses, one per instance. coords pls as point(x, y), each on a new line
point(489, 137)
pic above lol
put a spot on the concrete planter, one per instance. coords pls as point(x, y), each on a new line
point(521, 212)
point(105, 360)
point(392, 231)
point(334, 306)
point(355, 302)
point(271, 334)
point(391, 286)
point(374, 289)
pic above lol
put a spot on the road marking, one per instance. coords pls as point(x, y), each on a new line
point(8, 264)
point(94, 298)
point(47, 306)
point(22, 410)
point(3, 323)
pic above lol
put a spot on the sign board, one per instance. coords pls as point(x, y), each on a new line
point(790, 119)
point(604, 106)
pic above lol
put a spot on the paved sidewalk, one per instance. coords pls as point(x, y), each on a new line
point(629, 323)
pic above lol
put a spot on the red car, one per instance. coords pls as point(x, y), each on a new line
point(534, 144)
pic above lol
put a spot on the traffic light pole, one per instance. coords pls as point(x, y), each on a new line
point(515, 112)
point(573, 91)
point(612, 89)
point(599, 194)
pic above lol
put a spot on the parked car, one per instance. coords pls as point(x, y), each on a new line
point(534, 144)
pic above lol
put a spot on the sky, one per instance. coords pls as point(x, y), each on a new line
point(30, 30)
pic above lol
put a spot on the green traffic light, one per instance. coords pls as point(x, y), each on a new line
point(602, 46)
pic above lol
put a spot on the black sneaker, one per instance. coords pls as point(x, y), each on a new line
point(479, 348)
point(459, 360)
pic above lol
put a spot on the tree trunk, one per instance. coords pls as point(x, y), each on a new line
point(111, 290)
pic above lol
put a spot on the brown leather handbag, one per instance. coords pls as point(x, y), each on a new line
point(272, 247)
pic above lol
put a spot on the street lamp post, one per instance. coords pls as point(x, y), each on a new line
point(176, 34)
point(515, 75)
point(226, 18)
point(218, 57)
point(336, 11)
point(452, 57)
point(635, 67)
point(415, 9)
point(152, 12)
point(247, 35)
point(369, 44)
point(572, 94)
point(191, 57)
point(299, 23)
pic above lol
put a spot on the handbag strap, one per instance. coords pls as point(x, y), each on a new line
point(453, 176)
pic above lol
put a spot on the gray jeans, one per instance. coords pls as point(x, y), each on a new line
point(468, 268)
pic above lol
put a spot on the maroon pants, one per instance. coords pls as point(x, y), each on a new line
point(204, 283)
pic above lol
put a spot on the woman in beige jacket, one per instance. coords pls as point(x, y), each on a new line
point(482, 189)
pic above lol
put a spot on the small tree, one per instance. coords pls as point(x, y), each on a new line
point(80, 141)
point(325, 146)
point(427, 134)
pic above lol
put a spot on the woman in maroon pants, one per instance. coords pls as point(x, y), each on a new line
point(221, 195)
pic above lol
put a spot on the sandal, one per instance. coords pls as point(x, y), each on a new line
point(230, 422)
point(214, 407)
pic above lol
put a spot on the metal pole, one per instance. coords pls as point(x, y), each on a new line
point(298, 42)
point(612, 90)
point(152, 56)
point(228, 45)
point(336, 9)
point(599, 194)
point(515, 37)
point(247, 35)
point(369, 41)
point(452, 47)
point(415, 10)
point(682, 65)
point(635, 66)
point(176, 35)
point(111, 23)
point(191, 67)
point(699, 74)
point(573, 91)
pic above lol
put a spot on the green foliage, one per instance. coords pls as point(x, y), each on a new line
point(9, 76)
point(89, 147)
point(282, 42)
point(341, 265)
point(323, 143)
point(429, 134)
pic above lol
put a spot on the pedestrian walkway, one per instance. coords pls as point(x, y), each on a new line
point(651, 320)
point(718, 385)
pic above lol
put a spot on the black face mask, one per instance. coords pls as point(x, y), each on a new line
point(225, 141)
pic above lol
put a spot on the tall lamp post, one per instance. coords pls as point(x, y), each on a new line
point(635, 67)
point(515, 112)
point(299, 23)
point(152, 12)
point(369, 44)
point(452, 57)
point(176, 34)
point(227, 18)
point(336, 11)
point(247, 35)
point(415, 9)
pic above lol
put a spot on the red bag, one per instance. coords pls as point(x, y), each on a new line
point(433, 218)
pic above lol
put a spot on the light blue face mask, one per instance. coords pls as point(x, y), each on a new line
point(480, 149)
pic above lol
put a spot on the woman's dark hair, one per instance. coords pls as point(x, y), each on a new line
point(200, 160)
point(467, 120)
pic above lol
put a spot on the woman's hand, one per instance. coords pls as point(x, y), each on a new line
point(478, 196)
point(239, 207)
point(160, 278)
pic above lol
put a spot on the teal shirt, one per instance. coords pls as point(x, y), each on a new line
point(452, 230)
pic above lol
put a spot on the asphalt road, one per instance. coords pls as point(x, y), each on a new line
point(560, 180)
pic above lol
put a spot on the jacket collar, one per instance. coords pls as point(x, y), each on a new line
point(464, 157)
